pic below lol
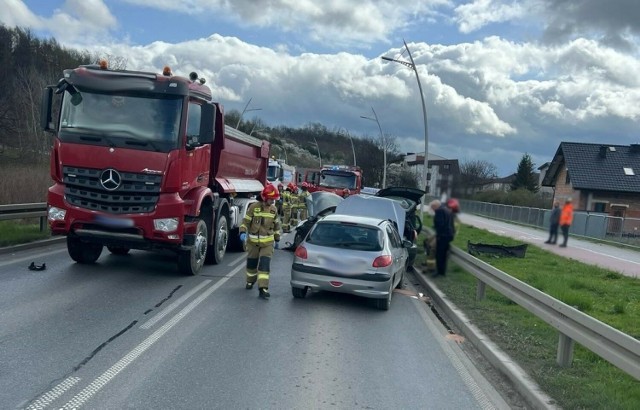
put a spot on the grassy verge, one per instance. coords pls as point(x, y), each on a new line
point(591, 382)
point(18, 232)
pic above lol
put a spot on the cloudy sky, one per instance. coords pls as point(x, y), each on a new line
point(500, 77)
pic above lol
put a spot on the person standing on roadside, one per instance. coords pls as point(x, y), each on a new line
point(566, 218)
point(554, 223)
point(260, 233)
point(445, 231)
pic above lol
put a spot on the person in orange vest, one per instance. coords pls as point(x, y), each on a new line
point(566, 218)
point(260, 233)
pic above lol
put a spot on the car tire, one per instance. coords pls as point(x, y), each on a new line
point(299, 293)
point(385, 303)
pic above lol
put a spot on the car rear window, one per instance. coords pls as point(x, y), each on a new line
point(347, 236)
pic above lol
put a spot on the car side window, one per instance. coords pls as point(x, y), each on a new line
point(394, 238)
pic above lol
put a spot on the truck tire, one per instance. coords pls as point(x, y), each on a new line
point(215, 252)
point(118, 250)
point(190, 261)
point(83, 252)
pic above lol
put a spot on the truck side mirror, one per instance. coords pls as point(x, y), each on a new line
point(46, 122)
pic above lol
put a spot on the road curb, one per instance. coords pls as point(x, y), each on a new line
point(523, 383)
point(31, 245)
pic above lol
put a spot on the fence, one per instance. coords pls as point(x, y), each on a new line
point(620, 349)
point(25, 211)
point(593, 225)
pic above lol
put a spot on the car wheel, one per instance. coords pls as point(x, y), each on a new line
point(299, 293)
point(385, 303)
point(118, 250)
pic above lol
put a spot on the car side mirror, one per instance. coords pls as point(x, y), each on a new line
point(407, 243)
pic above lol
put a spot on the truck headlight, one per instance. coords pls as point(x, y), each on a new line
point(56, 214)
point(165, 224)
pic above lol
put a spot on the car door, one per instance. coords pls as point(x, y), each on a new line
point(399, 254)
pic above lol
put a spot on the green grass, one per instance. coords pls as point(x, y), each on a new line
point(18, 232)
point(591, 382)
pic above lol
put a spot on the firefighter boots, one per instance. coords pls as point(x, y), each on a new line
point(249, 285)
point(264, 293)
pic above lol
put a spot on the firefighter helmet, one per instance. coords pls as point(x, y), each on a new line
point(270, 192)
point(292, 187)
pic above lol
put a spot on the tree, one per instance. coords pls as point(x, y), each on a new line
point(474, 174)
point(525, 176)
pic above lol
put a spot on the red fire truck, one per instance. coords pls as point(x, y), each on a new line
point(343, 180)
point(143, 160)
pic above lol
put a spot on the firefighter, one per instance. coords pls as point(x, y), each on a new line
point(260, 234)
point(302, 201)
point(294, 198)
point(279, 201)
point(288, 199)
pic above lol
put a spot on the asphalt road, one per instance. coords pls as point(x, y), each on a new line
point(130, 332)
point(616, 257)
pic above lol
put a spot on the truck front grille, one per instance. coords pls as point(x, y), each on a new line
point(128, 192)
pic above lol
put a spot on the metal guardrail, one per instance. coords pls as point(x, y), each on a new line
point(23, 211)
point(618, 348)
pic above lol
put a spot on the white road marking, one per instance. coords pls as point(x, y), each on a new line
point(86, 393)
point(237, 260)
point(50, 396)
point(173, 306)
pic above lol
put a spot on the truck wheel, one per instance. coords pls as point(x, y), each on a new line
point(83, 252)
point(190, 261)
point(118, 250)
point(216, 252)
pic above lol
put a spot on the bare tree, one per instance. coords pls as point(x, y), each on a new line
point(474, 174)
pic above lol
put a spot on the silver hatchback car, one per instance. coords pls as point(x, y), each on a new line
point(363, 256)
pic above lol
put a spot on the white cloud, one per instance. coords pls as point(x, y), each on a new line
point(477, 14)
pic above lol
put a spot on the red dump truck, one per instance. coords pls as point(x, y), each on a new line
point(143, 160)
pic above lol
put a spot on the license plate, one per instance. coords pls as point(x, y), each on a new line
point(114, 222)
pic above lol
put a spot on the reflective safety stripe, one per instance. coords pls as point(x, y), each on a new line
point(249, 274)
point(261, 239)
point(263, 276)
point(264, 215)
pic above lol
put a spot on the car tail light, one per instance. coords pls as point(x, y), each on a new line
point(382, 261)
point(301, 252)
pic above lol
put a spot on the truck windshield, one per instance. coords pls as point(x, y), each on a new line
point(273, 173)
point(121, 120)
point(342, 180)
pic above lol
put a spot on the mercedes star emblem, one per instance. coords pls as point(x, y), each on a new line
point(110, 179)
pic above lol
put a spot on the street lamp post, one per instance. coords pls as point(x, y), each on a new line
point(384, 146)
point(246, 110)
point(318, 148)
point(352, 147)
point(425, 170)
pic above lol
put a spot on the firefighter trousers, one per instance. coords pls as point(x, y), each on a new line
point(259, 263)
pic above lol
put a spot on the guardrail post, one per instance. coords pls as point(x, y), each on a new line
point(480, 289)
point(42, 223)
point(565, 350)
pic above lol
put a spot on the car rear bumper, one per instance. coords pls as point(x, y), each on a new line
point(374, 289)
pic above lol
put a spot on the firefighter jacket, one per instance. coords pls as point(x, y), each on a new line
point(261, 224)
